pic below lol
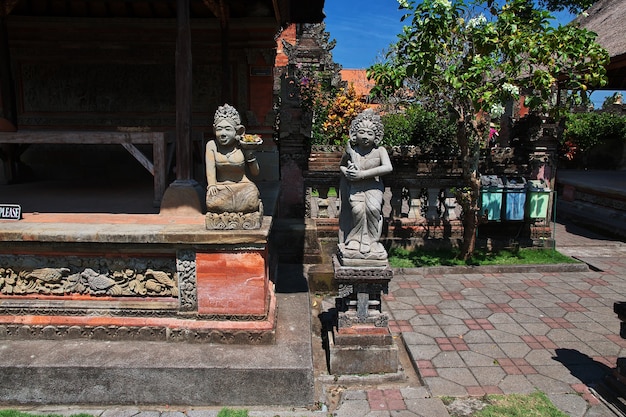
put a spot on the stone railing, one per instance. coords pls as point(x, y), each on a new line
point(418, 199)
point(419, 202)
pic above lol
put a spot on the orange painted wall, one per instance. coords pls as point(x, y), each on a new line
point(232, 283)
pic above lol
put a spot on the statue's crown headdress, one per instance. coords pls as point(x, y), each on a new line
point(371, 116)
point(227, 112)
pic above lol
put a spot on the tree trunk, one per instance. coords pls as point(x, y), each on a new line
point(467, 197)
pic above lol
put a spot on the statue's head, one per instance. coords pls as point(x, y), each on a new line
point(227, 124)
point(369, 119)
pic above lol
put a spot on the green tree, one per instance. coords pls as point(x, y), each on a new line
point(473, 56)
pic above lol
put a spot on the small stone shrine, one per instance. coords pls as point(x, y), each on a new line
point(362, 342)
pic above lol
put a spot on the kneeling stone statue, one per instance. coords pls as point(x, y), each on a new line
point(232, 199)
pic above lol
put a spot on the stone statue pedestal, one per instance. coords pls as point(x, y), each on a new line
point(234, 221)
point(362, 343)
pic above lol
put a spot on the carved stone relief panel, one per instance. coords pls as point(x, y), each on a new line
point(186, 269)
point(94, 276)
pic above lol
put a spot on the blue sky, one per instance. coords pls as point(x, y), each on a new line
point(364, 29)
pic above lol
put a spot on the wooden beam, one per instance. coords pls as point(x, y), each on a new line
point(219, 9)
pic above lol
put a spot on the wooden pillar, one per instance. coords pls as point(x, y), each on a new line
point(184, 196)
point(226, 71)
point(183, 92)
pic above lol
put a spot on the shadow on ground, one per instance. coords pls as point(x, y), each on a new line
point(597, 376)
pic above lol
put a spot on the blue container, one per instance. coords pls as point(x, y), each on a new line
point(515, 200)
point(491, 193)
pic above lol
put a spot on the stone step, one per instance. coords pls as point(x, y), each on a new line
point(594, 216)
point(37, 372)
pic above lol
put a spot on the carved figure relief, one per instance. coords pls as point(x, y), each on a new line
point(30, 275)
point(186, 269)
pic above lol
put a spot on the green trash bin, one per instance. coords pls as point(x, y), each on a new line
point(538, 199)
point(491, 191)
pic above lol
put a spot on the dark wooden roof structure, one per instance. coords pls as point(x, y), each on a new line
point(606, 18)
point(284, 11)
point(75, 42)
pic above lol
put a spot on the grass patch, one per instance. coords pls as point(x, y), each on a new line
point(332, 192)
point(15, 413)
point(536, 404)
point(229, 412)
point(419, 257)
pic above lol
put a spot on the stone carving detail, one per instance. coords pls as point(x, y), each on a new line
point(350, 319)
point(228, 221)
point(359, 296)
point(186, 268)
point(345, 290)
point(89, 276)
point(147, 333)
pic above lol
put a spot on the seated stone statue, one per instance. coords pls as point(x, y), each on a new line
point(232, 199)
point(361, 189)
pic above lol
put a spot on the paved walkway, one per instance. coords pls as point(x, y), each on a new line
point(485, 333)
point(489, 333)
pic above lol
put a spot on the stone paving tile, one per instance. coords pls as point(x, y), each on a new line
point(516, 384)
point(479, 313)
point(121, 412)
point(573, 405)
point(422, 320)
point(488, 376)
point(440, 387)
point(423, 352)
point(512, 336)
point(448, 360)
point(487, 357)
point(489, 350)
point(553, 379)
point(425, 407)
point(430, 331)
point(462, 376)
point(385, 399)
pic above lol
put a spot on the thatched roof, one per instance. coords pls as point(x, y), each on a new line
point(606, 18)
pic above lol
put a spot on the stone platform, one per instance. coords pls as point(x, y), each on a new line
point(135, 277)
point(96, 372)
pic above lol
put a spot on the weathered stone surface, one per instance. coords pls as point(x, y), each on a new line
point(362, 358)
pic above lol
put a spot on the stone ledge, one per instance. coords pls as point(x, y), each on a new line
point(125, 228)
